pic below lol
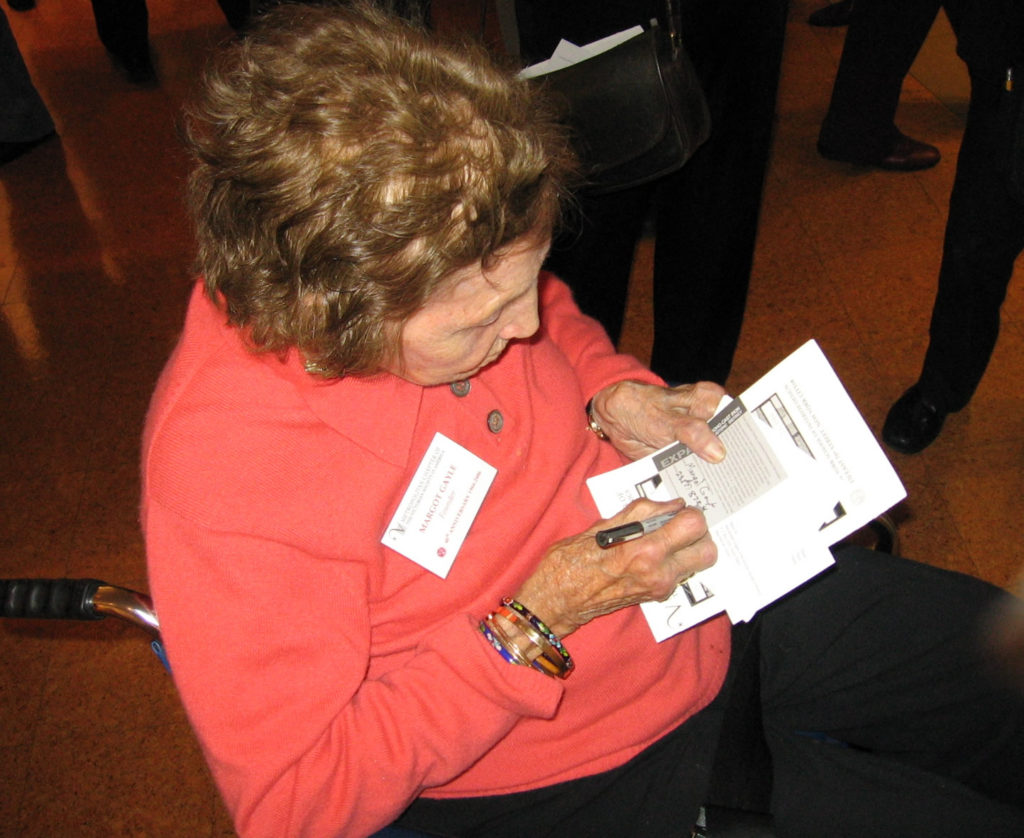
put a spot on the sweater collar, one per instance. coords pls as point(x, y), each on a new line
point(378, 413)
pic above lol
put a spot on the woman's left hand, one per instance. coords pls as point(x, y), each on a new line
point(640, 418)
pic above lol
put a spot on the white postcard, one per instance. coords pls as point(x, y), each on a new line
point(802, 471)
point(567, 53)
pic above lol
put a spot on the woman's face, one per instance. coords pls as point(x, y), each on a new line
point(468, 324)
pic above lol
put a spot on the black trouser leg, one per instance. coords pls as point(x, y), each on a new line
point(236, 12)
point(123, 26)
point(707, 213)
point(882, 41)
point(23, 114)
point(984, 236)
point(881, 708)
point(595, 253)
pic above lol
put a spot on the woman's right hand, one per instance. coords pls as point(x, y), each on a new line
point(577, 580)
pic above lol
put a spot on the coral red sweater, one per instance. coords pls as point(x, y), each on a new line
point(330, 680)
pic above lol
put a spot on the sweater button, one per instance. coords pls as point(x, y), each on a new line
point(495, 421)
point(460, 388)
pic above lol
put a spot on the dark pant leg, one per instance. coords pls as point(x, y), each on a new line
point(880, 704)
point(845, 793)
point(656, 794)
point(23, 114)
point(882, 41)
point(123, 26)
point(595, 253)
point(236, 12)
point(707, 213)
point(984, 235)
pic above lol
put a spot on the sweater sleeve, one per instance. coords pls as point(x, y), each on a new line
point(585, 343)
point(270, 650)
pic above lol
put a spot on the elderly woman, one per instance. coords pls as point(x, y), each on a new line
point(373, 348)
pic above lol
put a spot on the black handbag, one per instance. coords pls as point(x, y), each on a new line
point(636, 112)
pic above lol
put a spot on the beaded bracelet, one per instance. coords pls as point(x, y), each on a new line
point(543, 643)
point(486, 629)
point(523, 656)
point(552, 658)
point(544, 658)
point(549, 635)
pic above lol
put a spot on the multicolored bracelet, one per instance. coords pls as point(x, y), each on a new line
point(541, 626)
point(487, 630)
point(550, 657)
point(540, 653)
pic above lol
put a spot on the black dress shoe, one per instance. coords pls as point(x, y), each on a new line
point(834, 14)
point(904, 155)
point(913, 422)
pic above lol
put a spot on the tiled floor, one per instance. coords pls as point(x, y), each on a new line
point(94, 265)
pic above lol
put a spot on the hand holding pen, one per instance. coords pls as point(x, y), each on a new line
point(653, 546)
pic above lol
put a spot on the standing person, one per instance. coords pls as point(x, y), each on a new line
point(25, 121)
point(123, 28)
point(368, 532)
point(984, 228)
point(882, 41)
point(705, 215)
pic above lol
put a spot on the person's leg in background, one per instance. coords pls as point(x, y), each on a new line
point(707, 212)
point(882, 709)
point(123, 28)
point(236, 12)
point(882, 41)
point(24, 119)
point(984, 236)
point(595, 253)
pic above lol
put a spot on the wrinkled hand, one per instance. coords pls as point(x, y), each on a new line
point(640, 418)
point(577, 581)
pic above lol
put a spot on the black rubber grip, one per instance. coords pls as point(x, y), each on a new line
point(49, 599)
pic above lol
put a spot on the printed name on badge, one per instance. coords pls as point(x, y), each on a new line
point(439, 506)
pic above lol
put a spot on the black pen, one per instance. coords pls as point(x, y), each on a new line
point(634, 529)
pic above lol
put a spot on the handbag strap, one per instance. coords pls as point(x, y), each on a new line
point(673, 20)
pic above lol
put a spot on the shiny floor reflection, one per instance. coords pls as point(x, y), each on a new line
point(95, 259)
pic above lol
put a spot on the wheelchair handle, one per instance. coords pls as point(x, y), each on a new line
point(76, 599)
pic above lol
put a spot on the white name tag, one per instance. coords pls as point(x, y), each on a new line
point(439, 506)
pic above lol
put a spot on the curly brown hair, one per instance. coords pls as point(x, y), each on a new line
point(347, 162)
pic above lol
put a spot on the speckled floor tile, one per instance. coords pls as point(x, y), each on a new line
point(96, 784)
